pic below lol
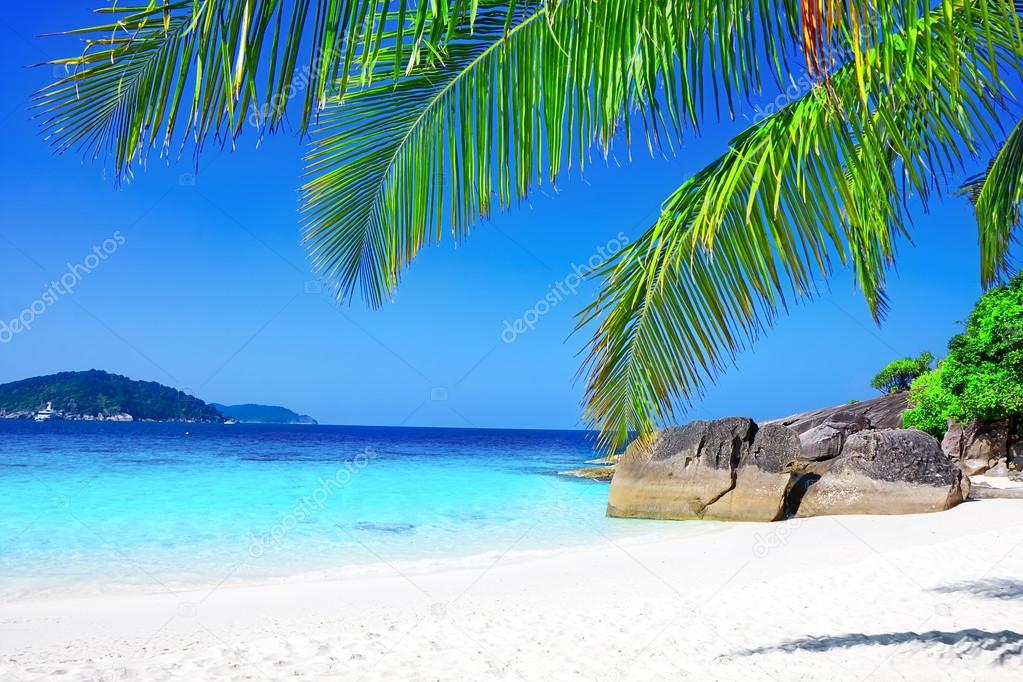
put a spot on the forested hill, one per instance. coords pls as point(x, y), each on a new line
point(263, 414)
point(96, 394)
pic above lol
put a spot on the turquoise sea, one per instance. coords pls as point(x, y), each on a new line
point(107, 507)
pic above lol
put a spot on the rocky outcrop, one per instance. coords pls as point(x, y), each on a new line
point(826, 440)
point(981, 447)
point(978, 448)
point(1015, 459)
point(884, 412)
point(734, 470)
point(891, 471)
point(599, 473)
point(823, 432)
point(979, 492)
point(725, 469)
point(762, 478)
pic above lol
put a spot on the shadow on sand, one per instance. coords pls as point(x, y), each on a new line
point(1005, 644)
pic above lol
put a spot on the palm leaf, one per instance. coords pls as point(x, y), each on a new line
point(522, 95)
point(429, 116)
point(512, 106)
point(996, 195)
point(181, 69)
point(759, 229)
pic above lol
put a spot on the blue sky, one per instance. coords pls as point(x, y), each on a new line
point(211, 291)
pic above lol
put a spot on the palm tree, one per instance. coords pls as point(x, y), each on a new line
point(426, 117)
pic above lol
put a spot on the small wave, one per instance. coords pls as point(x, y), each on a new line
point(155, 460)
point(395, 528)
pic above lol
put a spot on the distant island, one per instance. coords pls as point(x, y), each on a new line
point(95, 395)
point(262, 414)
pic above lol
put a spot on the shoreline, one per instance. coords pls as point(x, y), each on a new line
point(818, 598)
point(374, 566)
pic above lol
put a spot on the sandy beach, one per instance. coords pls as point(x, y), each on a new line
point(933, 596)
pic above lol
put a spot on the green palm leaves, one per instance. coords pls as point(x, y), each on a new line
point(389, 162)
point(760, 227)
point(996, 197)
point(520, 95)
point(427, 117)
point(179, 69)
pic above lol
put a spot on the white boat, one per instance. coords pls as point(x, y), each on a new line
point(47, 414)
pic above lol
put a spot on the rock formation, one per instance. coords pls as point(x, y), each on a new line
point(839, 463)
point(823, 432)
point(683, 472)
point(599, 473)
point(884, 412)
point(761, 478)
point(892, 471)
point(993, 448)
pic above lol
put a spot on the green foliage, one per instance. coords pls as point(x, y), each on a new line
point(96, 392)
point(932, 405)
point(760, 227)
point(984, 368)
point(899, 374)
point(996, 195)
point(982, 377)
point(513, 108)
point(157, 73)
point(426, 117)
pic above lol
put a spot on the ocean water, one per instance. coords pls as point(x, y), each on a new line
point(113, 507)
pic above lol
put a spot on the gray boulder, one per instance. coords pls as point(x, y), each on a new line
point(978, 447)
point(823, 432)
point(603, 473)
point(1014, 461)
point(998, 470)
point(952, 443)
point(884, 412)
point(726, 469)
point(825, 441)
point(1016, 449)
point(891, 471)
point(762, 478)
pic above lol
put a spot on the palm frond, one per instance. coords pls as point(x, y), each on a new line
point(996, 195)
point(823, 179)
point(193, 68)
point(522, 95)
point(428, 116)
point(511, 106)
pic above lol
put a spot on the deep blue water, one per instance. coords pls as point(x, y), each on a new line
point(109, 506)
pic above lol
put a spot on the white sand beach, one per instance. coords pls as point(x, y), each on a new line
point(922, 597)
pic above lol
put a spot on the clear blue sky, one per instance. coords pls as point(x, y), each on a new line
point(208, 291)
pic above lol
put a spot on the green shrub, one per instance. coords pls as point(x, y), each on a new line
point(898, 375)
point(931, 404)
point(982, 377)
point(984, 368)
